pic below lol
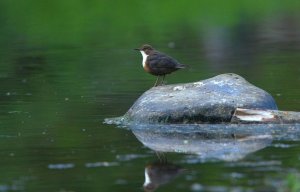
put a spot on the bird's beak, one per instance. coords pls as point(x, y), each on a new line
point(137, 49)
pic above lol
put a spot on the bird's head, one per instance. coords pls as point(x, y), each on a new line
point(147, 49)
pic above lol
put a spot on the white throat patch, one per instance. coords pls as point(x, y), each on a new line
point(144, 57)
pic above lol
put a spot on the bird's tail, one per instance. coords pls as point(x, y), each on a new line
point(182, 66)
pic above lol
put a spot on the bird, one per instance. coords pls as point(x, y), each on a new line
point(158, 63)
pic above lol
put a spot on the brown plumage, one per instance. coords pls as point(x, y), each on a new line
point(157, 63)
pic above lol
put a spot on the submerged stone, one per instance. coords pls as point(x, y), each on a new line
point(212, 100)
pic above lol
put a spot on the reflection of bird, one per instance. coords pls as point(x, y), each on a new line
point(157, 63)
point(157, 174)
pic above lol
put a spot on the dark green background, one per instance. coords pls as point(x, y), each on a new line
point(66, 65)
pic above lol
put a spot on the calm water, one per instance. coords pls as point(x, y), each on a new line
point(67, 65)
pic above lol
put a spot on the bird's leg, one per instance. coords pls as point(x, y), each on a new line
point(162, 81)
point(156, 81)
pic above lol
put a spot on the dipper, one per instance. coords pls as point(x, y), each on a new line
point(157, 63)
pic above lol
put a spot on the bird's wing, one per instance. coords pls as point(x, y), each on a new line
point(159, 60)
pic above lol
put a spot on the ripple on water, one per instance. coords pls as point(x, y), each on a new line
point(61, 166)
point(128, 157)
point(101, 164)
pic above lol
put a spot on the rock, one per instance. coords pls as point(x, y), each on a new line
point(212, 100)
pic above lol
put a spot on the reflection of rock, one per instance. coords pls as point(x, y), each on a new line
point(211, 100)
point(208, 145)
point(157, 174)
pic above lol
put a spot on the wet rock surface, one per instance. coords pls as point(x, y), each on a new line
point(212, 100)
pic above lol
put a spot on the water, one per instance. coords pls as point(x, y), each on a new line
point(65, 66)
